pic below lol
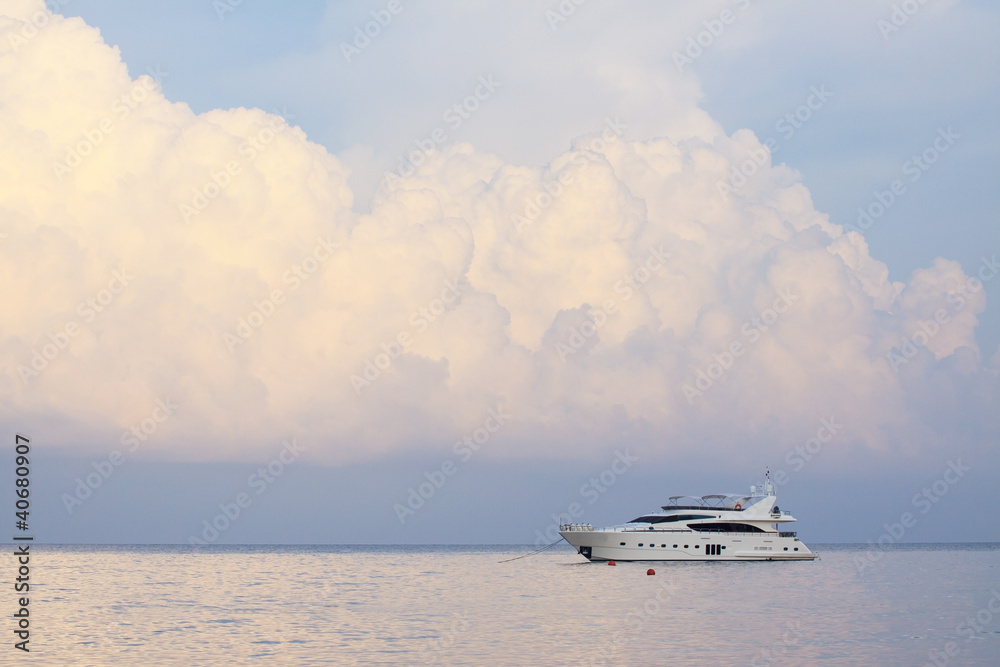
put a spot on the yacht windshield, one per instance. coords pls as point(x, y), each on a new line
point(721, 527)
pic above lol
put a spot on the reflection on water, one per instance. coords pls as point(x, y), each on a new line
point(458, 605)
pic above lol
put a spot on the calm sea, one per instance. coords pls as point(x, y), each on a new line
point(459, 605)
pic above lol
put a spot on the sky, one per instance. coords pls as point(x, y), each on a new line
point(447, 272)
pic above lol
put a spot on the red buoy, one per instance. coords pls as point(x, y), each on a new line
point(611, 562)
point(650, 571)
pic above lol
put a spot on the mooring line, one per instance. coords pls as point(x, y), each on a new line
point(548, 546)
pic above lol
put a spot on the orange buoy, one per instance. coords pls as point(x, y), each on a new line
point(611, 562)
point(650, 571)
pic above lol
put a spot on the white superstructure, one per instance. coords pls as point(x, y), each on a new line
point(716, 527)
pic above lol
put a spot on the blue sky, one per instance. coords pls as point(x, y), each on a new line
point(543, 86)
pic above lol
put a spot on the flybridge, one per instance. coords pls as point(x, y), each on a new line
point(730, 502)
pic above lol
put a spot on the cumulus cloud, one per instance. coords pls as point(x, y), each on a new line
point(615, 292)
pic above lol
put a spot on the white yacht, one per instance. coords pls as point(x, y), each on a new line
point(716, 527)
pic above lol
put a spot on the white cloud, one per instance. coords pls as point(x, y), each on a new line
point(270, 204)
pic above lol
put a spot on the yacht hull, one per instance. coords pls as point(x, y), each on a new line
point(654, 545)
